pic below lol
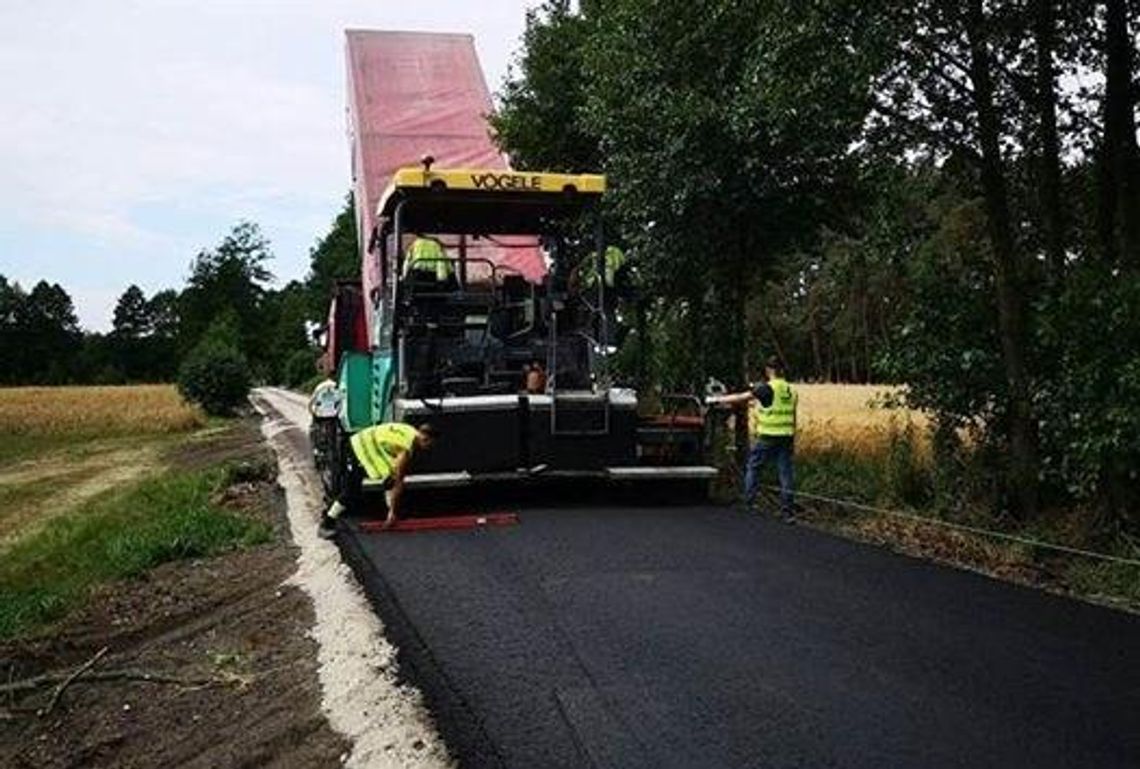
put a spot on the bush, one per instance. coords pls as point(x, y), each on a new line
point(216, 377)
point(907, 477)
point(300, 368)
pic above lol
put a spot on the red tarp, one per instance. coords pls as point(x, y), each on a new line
point(412, 94)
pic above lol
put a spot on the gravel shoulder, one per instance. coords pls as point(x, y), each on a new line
point(364, 694)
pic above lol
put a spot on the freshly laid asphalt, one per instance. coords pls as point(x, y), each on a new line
point(705, 638)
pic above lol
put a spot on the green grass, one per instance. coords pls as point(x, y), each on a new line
point(1106, 579)
point(121, 534)
point(839, 474)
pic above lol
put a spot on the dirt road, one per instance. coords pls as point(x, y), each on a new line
point(685, 637)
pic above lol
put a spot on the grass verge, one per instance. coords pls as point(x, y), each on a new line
point(902, 478)
point(120, 534)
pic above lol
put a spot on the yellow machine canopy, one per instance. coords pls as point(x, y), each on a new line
point(478, 200)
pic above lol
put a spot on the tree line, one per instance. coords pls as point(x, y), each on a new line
point(226, 300)
point(940, 195)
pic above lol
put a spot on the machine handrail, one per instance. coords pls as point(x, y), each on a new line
point(495, 269)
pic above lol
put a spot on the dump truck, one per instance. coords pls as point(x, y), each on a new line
point(497, 340)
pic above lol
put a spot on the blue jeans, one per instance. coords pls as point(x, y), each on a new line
point(780, 451)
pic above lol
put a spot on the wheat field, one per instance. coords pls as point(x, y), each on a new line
point(831, 416)
point(95, 411)
point(849, 417)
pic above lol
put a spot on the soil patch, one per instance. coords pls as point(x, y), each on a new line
point(238, 442)
point(208, 663)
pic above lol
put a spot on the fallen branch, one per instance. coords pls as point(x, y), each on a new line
point(86, 666)
point(37, 682)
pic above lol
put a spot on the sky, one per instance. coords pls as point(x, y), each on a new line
point(135, 134)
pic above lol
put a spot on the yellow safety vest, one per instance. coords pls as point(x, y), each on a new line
point(614, 259)
point(779, 418)
point(379, 447)
point(427, 254)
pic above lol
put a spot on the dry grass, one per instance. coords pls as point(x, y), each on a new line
point(849, 418)
point(95, 411)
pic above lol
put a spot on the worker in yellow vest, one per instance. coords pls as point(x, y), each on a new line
point(382, 453)
point(614, 259)
point(426, 256)
point(773, 429)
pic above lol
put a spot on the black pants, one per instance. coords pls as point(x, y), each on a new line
point(351, 494)
point(352, 489)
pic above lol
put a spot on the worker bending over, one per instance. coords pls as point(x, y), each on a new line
point(775, 433)
point(382, 453)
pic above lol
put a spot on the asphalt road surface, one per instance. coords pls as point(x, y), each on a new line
point(702, 637)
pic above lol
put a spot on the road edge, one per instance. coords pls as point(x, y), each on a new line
point(385, 721)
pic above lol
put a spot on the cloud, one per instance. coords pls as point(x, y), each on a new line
point(136, 134)
point(101, 139)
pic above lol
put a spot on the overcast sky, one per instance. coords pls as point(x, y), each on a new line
point(135, 134)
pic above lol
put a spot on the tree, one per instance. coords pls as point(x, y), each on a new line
point(47, 332)
point(1009, 263)
point(231, 277)
point(1049, 143)
point(952, 91)
point(11, 303)
point(723, 158)
point(1120, 163)
point(132, 318)
point(540, 119)
point(284, 323)
point(162, 344)
point(336, 256)
point(215, 374)
point(131, 325)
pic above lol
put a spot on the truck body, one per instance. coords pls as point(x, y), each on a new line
point(459, 346)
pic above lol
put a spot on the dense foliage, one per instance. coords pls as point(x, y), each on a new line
point(944, 195)
point(215, 374)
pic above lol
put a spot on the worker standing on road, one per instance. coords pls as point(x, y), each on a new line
point(324, 408)
point(382, 453)
point(775, 432)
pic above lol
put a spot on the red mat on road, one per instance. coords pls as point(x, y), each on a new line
point(444, 522)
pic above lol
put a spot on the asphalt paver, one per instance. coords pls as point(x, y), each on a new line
point(706, 637)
